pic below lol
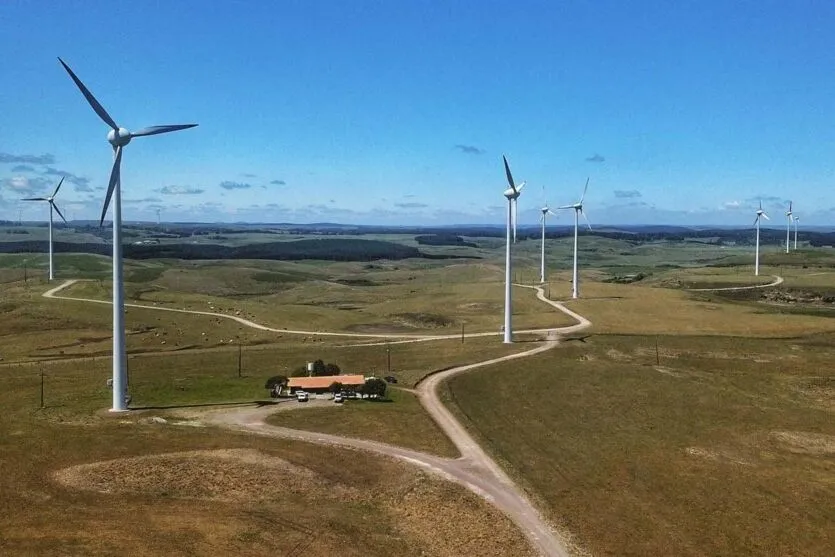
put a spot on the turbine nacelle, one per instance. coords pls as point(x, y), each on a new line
point(511, 194)
point(119, 137)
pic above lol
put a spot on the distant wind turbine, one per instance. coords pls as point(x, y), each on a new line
point(52, 205)
point(545, 212)
point(159, 221)
point(512, 194)
point(760, 214)
point(118, 138)
point(578, 210)
point(788, 225)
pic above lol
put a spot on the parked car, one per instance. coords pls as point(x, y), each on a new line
point(302, 396)
point(391, 379)
point(353, 395)
point(338, 397)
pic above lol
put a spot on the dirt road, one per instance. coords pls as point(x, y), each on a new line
point(777, 280)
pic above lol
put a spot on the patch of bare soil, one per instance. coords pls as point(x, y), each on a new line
point(823, 297)
point(821, 390)
point(423, 320)
point(716, 455)
point(379, 328)
point(617, 355)
point(667, 371)
point(223, 475)
point(801, 442)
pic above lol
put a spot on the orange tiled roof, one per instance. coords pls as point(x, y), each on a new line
point(325, 381)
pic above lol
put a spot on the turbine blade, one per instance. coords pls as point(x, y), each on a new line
point(756, 219)
point(585, 189)
point(57, 210)
point(586, 219)
point(766, 216)
point(509, 175)
point(550, 212)
point(520, 186)
point(154, 130)
point(59, 187)
point(90, 98)
point(114, 179)
point(34, 199)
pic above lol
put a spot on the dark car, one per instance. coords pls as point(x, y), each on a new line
point(391, 379)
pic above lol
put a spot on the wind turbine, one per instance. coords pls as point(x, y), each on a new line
point(760, 214)
point(578, 210)
point(52, 205)
point(118, 138)
point(795, 232)
point(512, 194)
point(545, 212)
point(788, 225)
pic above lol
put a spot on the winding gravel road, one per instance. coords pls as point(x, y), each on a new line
point(777, 280)
point(474, 469)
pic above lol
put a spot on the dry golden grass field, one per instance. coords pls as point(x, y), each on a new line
point(723, 447)
point(73, 476)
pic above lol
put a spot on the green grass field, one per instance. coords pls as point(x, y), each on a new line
point(402, 422)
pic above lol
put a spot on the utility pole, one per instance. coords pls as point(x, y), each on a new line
point(657, 357)
point(42, 404)
point(462, 333)
point(388, 358)
point(240, 357)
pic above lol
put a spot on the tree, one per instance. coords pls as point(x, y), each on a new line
point(332, 369)
point(336, 387)
point(374, 386)
point(275, 383)
point(319, 368)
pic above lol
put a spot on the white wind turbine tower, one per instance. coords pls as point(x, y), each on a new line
point(545, 212)
point(788, 225)
point(52, 205)
point(578, 210)
point(512, 194)
point(118, 138)
point(795, 219)
point(760, 214)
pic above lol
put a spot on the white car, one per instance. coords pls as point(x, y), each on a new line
point(338, 398)
point(302, 396)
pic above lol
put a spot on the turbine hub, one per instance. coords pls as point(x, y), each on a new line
point(119, 138)
point(544, 210)
point(510, 194)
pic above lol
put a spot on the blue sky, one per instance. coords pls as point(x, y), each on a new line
point(398, 112)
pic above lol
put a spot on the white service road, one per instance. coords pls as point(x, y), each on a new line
point(474, 469)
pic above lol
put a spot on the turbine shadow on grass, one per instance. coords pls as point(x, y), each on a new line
point(257, 403)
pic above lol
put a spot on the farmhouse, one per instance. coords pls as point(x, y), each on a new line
point(322, 383)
